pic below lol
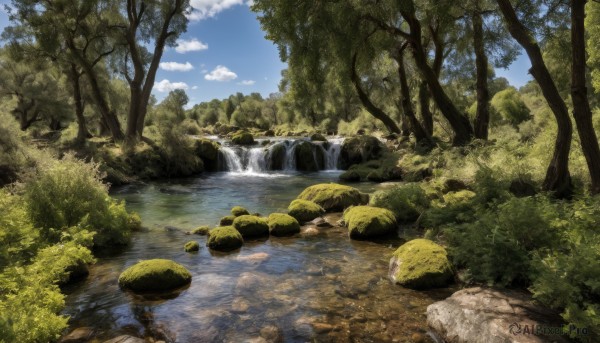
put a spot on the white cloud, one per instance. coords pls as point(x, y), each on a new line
point(221, 73)
point(247, 83)
point(174, 66)
point(167, 86)
point(202, 9)
point(193, 44)
point(195, 87)
point(204, 71)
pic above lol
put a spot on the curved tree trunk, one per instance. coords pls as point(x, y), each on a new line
point(558, 178)
point(82, 131)
point(581, 104)
point(482, 119)
point(417, 129)
point(426, 115)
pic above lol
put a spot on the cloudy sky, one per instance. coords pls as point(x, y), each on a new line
point(224, 52)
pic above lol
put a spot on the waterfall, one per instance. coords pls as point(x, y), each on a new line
point(280, 155)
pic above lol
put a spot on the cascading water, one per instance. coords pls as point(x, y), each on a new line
point(279, 156)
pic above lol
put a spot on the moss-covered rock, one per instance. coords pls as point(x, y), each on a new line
point(366, 222)
point(333, 197)
point(350, 176)
point(251, 226)
point(317, 137)
point(226, 221)
point(243, 138)
point(191, 246)
point(154, 276)
point(276, 157)
point(360, 149)
point(201, 230)
point(225, 238)
point(309, 157)
point(239, 211)
point(281, 224)
point(420, 264)
point(305, 210)
point(269, 133)
point(208, 151)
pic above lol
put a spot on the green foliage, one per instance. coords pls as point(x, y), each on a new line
point(18, 239)
point(154, 275)
point(69, 193)
point(510, 106)
point(453, 208)
point(407, 202)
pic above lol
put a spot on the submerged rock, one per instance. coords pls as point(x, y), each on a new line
point(366, 222)
point(79, 335)
point(304, 210)
point(251, 226)
point(281, 224)
point(155, 275)
point(333, 197)
point(125, 339)
point(483, 315)
point(420, 264)
point(225, 238)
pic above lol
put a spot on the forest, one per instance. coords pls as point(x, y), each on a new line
point(422, 176)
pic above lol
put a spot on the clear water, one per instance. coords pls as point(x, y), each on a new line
point(307, 288)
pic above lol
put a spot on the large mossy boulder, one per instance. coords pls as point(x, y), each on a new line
point(251, 226)
point(420, 264)
point(156, 275)
point(237, 211)
point(276, 157)
point(305, 210)
point(366, 222)
point(225, 238)
point(334, 197)
point(281, 224)
point(360, 149)
point(208, 151)
point(309, 157)
point(243, 138)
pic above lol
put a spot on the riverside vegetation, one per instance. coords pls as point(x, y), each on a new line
point(489, 185)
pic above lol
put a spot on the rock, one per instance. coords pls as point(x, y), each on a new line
point(243, 138)
point(269, 133)
point(360, 132)
point(125, 339)
point(254, 258)
point(201, 231)
point(360, 149)
point(391, 137)
point(248, 282)
point(304, 210)
point(154, 276)
point(79, 335)
point(366, 222)
point(225, 238)
point(320, 222)
point(191, 246)
point(239, 305)
point(350, 176)
point(77, 272)
point(251, 226)
point(281, 224)
point(420, 264)
point(317, 137)
point(418, 338)
point(322, 327)
point(520, 188)
point(239, 211)
point(208, 151)
point(311, 232)
point(483, 315)
point(308, 157)
point(276, 157)
point(454, 185)
point(333, 197)
point(226, 221)
point(272, 334)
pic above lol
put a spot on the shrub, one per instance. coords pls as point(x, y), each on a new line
point(70, 193)
point(407, 202)
point(18, 238)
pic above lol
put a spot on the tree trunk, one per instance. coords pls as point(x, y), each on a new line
point(417, 129)
point(482, 119)
point(22, 111)
point(558, 179)
point(373, 110)
point(426, 115)
point(581, 104)
point(460, 124)
point(82, 131)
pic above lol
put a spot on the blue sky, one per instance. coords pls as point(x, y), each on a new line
point(224, 51)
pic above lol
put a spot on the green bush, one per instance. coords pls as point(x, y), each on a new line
point(70, 193)
point(18, 239)
point(407, 202)
point(510, 106)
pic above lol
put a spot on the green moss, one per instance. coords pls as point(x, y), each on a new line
point(191, 246)
point(251, 226)
point(460, 197)
point(201, 230)
point(421, 264)
point(406, 201)
point(305, 210)
point(281, 224)
point(154, 275)
point(225, 238)
point(239, 211)
point(226, 221)
point(332, 196)
point(243, 138)
point(134, 222)
point(365, 222)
